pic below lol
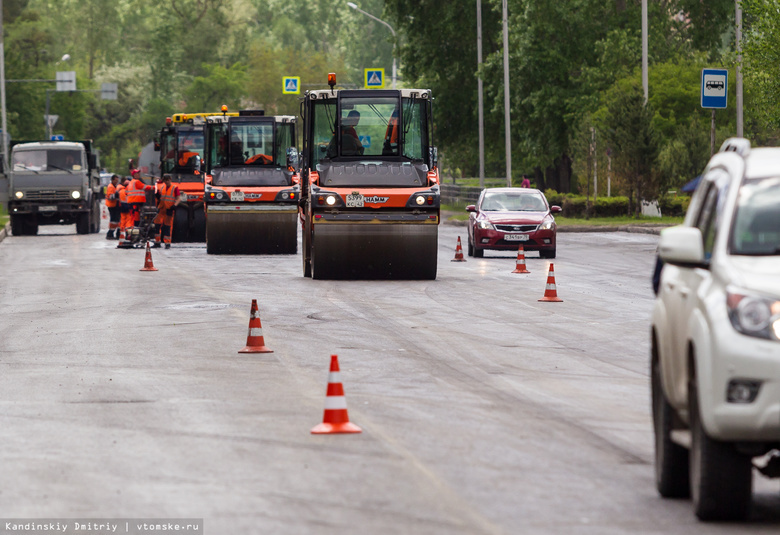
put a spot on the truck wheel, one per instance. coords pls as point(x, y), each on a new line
point(721, 477)
point(306, 253)
point(31, 226)
point(671, 460)
point(17, 225)
point(95, 218)
point(83, 223)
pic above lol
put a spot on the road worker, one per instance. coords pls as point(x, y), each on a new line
point(125, 214)
point(112, 203)
point(168, 197)
point(136, 195)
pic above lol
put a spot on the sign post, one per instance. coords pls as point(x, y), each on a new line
point(714, 95)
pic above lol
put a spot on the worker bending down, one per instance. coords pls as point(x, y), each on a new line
point(168, 197)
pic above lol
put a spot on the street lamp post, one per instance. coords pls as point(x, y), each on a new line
point(354, 6)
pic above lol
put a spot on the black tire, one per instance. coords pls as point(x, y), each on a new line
point(95, 218)
point(198, 230)
point(83, 223)
point(31, 226)
point(671, 460)
point(181, 225)
point(547, 253)
point(17, 225)
point(721, 477)
point(306, 246)
point(469, 248)
point(478, 253)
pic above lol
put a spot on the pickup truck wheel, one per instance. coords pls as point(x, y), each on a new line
point(83, 223)
point(721, 477)
point(671, 460)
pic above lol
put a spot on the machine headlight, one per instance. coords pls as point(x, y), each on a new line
point(19, 194)
point(754, 315)
point(75, 194)
point(547, 224)
point(330, 200)
point(485, 224)
point(420, 200)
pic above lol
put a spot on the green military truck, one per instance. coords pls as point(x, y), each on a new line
point(53, 183)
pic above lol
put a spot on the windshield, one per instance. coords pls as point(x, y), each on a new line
point(756, 226)
point(513, 202)
point(190, 145)
point(48, 160)
point(370, 127)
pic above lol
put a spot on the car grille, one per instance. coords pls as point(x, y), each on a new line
point(47, 195)
point(516, 228)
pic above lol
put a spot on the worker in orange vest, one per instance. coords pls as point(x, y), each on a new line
point(136, 195)
point(168, 197)
point(125, 213)
point(112, 203)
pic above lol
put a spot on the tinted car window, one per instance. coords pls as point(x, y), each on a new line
point(756, 226)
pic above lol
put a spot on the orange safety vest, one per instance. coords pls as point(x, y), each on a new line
point(136, 192)
point(167, 196)
point(185, 157)
point(122, 193)
point(111, 197)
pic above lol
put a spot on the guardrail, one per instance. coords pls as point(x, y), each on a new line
point(455, 194)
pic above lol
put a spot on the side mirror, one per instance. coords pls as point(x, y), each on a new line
point(471, 208)
point(292, 157)
point(555, 209)
point(433, 157)
point(682, 245)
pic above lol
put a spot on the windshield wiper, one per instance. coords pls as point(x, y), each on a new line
point(61, 168)
point(27, 168)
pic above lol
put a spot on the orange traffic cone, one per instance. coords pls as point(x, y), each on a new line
point(520, 265)
point(335, 419)
point(550, 292)
point(148, 265)
point(458, 253)
point(255, 343)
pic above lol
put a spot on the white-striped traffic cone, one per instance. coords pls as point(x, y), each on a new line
point(335, 419)
point(520, 264)
point(550, 292)
point(255, 343)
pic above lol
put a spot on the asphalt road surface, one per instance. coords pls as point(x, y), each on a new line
point(484, 411)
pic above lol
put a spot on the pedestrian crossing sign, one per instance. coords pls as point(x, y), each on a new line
point(291, 85)
point(374, 78)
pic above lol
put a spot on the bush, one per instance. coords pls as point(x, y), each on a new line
point(611, 207)
point(674, 206)
point(576, 205)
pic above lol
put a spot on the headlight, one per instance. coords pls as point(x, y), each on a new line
point(75, 194)
point(485, 224)
point(547, 224)
point(330, 200)
point(19, 194)
point(420, 200)
point(754, 315)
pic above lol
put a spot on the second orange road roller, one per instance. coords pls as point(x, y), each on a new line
point(251, 191)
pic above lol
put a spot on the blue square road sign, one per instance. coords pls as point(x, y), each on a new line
point(714, 88)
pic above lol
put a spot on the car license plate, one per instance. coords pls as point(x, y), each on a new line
point(516, 237)
point(47, 208)
point(236, 195)
point(355, 200)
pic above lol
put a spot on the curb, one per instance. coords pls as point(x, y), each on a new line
point(4, 231)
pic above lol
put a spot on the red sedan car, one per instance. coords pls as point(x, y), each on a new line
point(505, 218)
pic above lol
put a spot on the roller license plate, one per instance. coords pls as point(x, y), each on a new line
point(516, 237)
point(236, 195)
point(47, 208)
point(355, 200)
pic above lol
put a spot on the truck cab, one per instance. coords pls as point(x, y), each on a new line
point(54, 183)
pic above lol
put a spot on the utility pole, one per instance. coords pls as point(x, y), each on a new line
point(2, 90)
point(645, 80)
point(479, 97)
point(740, 95)
point(507, 124)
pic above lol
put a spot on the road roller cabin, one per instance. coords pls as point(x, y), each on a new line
point(181, 145)
point(251, 191)
point(369, 184)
